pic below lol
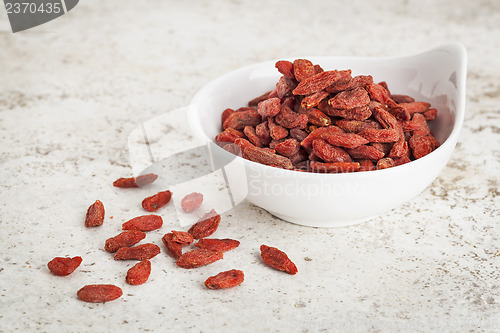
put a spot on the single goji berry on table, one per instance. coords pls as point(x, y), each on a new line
point(64, 266)
point(143, 223)
point(182, 237)
point(138, 252)
point(198, 257)
point(95, 215)
point(155, 202)
point(124, 239)
point(135, 182)
point(206, 225)
point(99, 293)
point(277, 259)
point(191, 202)
point(227, 279)
point(174, 248)
point(220, 245)
point(139, 273)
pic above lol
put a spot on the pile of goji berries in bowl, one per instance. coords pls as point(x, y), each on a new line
point(334, 141)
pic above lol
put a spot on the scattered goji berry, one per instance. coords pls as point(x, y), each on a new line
point(182, 237)
point(220, 245)
point(124, 239)
point(139, 273)
point(138, 252)
point(277, 259)
point(206, 225)
point(95, 215)
point(99, 293)
point(227, 279)
point(198, 257)
point(155, 202)
point(64, 266)
point(191, 202)
point(174, 248)
point(143, 223)
point(135, 182)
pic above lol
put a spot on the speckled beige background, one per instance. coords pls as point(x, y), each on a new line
point(73, 89)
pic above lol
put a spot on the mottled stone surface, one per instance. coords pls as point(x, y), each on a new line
point(73, 89)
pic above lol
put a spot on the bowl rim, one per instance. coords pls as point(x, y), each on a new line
point(455, 47)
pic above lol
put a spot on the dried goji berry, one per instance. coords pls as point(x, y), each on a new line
point(269, 107)
point(64, 266)
point(143, 223)
point(399, 149)
point(220, 245)
point(430, 114)
point(99, 293)
point(191, 202)
point(182, 237)
point(377, 92)
point(316, 117)
point(318, 82)
point(298, 134)
point(227, 279)
point(226, 113)
point(198, 257)
point(346, 140)
point(254, 102)
point(366, 165)
point(277, 259)
point(359, 81)
point(139, 273)
point(135, 182)
point(402, 98)
point(329, 153)
point(174, 248)
point(356, 126)
point(357, 113)
point(350, 99)
point(290, 119)
point(262, 131)
point(124, 239)
point(422, 145)
point(365, 152)
point(155, 202)
point(302, 69)
point(285, 68)
point(284, 87)
point(288, 147)
point(229, 135)
point(321, 132)
point(95, 215)
point(206, 225)
point(263, 156)
point(139, 252)
point(419, 120)
point(385, 163)
point(414, 107)
point(252, 136)
point(379, 135)
point(312, 100)
point(238, 120)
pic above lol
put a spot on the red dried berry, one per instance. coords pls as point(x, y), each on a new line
point(219, 245)
point(277, 259)
point(124, 239)
point(285, 68)
point(238, 120)
point(229, 135)
point(254, 102)
point(263, 156)
point(182, 237)
point(64, 266)
point(143, 223)
point(252, 136)
point(139, 273)
point(174, 248)
point(206, 225)
point(227, 279)
point(198, 257)
point(317, 82)
point(302, 69)
point(135, 182)
point(191, 202)
point(288, 147)
point(95, 215)
point(336, 167)
point(350, 99)
point(99, 293)
point(139, 252)
point(329, 153)
point(269, 108)
point(155, 202)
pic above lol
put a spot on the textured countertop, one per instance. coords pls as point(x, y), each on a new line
point(72, 90)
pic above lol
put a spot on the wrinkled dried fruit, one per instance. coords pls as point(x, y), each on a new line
point(139, 273)
point(227, 279)
point(174, 248)
point(64, 266)
point(277, 259)
point(238, 120)
point(276, 131)
point(182, 237)
point(365, 152)
point(285, 68)
point(288, 147)
point(135, 182)
point(198, 257)
point(155, 202)
point(385, 163)
point(139, 252)
point(143, 223)
point(263, 156)
point(346, 140)
point(191, 202)
point(95, 215)
point(252, 136)
point(302, 69)
point(379, 135)
point(229, 135)
point(350, 99)
point(99, 293)
point(269, 108)
point(206, 225)
point(329, 153)
point(220, 245)
point(124, 239)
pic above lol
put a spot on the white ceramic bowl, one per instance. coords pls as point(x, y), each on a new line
point(329, 200)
